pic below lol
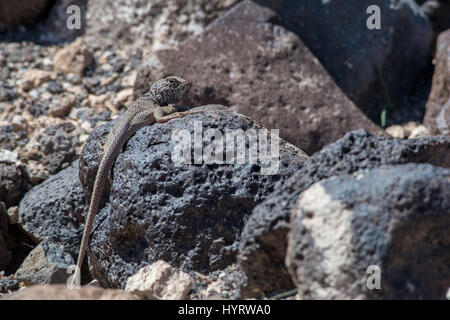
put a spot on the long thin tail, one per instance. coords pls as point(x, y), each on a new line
point(93, 207)
point(120, 135)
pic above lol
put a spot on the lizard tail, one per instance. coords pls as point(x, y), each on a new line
point(120, 135)
point(93, 207)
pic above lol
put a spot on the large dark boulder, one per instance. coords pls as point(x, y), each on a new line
point(390, 223)
point(263, 244)
point(53, 210)
point(189, 215)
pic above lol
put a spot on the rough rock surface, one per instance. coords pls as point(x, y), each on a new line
point(275, 79)
point(393, 217)
point(189, 215)
point(437, 116)
point(159, 281)
point(53, 211)
point(46, 264)
point(61, 292)
point(263, 243)
point(350, 51)
point(53, 147)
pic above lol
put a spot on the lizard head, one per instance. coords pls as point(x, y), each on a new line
point(169, 90)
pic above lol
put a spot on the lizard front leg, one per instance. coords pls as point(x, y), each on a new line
point(164, 114)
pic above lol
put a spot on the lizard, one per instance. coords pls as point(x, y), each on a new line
point(154, 106)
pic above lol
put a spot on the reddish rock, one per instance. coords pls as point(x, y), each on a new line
point(336, 33)
point(437, 115)
point(246, 61)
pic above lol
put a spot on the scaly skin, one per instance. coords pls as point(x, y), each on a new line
point(148, 109)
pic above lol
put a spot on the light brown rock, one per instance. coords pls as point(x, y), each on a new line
point(63, 106)
point(61, 292)
point(419, 131)
point(97, 101)
point(396, 131)
point(123, 97)
point(160, 281)
point(74, 58)
point(35, 77)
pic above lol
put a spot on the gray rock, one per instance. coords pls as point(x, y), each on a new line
point(437, 116)
point(247, 61)
point(7, 156)
point(336, 33)
point(10, 138)
point(395, 218)
point(263, 243)
point(53, 210)
point(56, 146)
point(190, 216)
point(46, 264)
